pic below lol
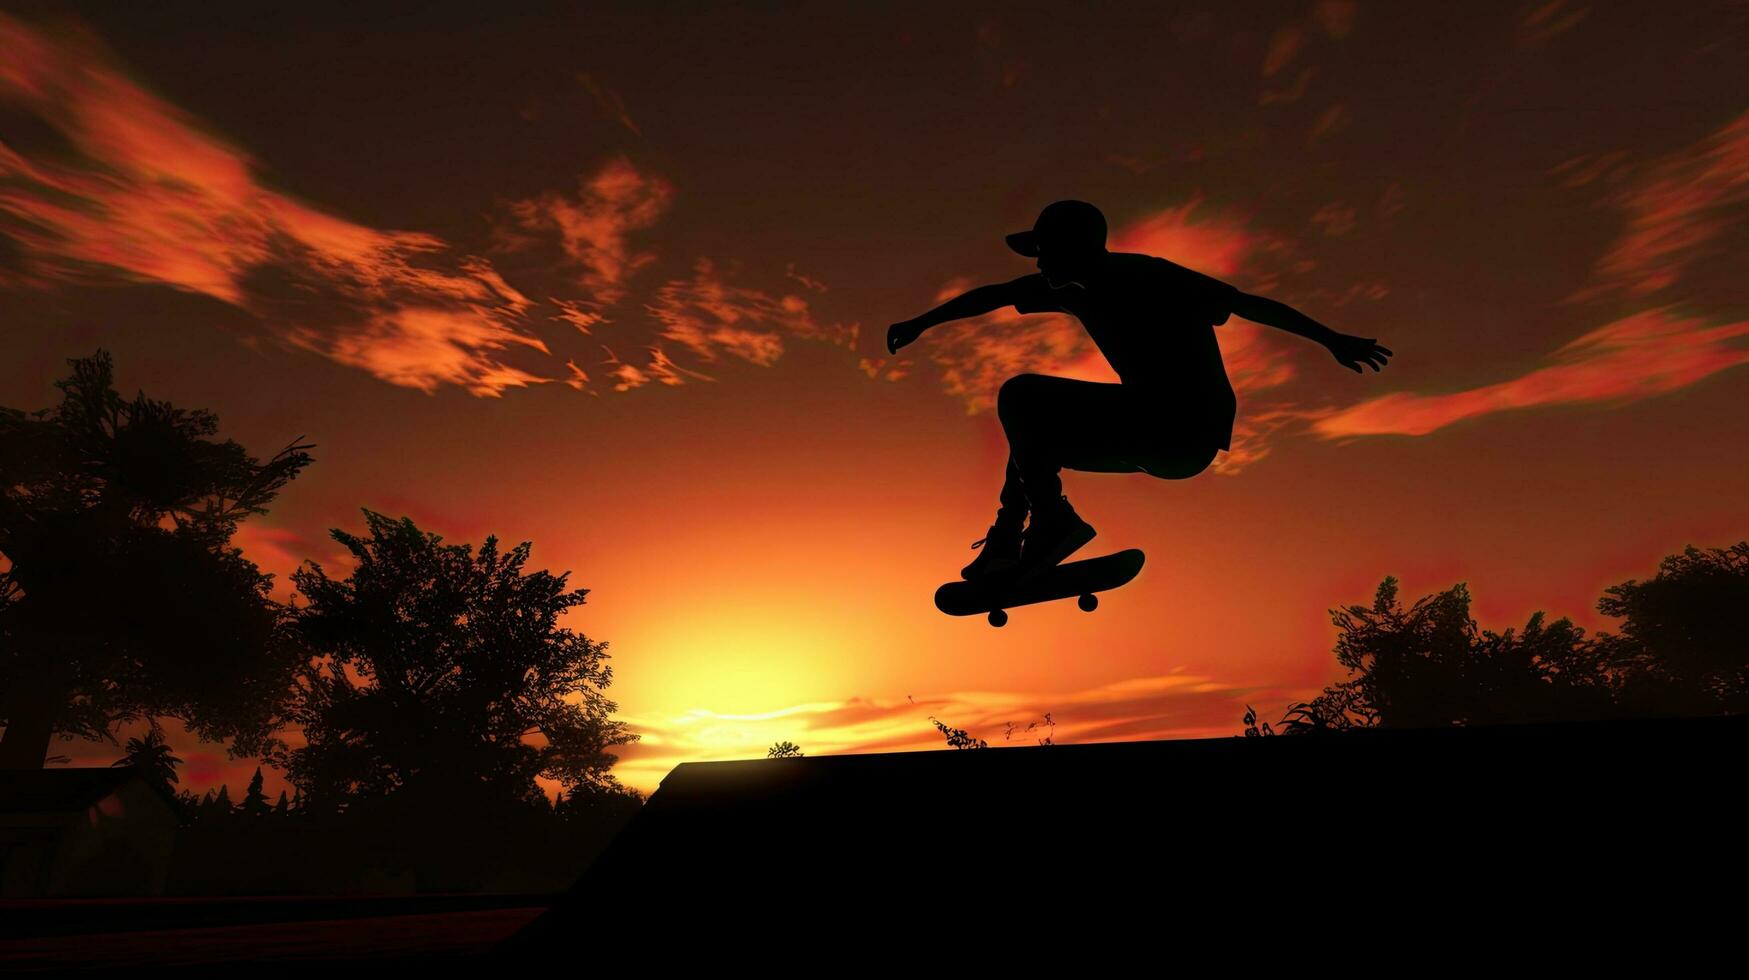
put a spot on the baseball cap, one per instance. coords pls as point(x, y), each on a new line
point(1076, 224)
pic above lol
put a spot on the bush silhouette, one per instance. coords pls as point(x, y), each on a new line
point(1681, 651)
point(958, 738)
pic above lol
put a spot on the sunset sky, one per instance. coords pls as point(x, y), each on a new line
point(615, 279)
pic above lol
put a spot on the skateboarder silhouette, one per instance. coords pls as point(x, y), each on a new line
point(1169, 416)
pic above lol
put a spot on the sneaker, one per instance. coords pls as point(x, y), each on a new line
point(1053, 535)
point(1001, 551)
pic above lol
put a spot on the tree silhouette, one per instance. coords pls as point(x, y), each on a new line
point(784, 750)
point(585, 803)
point(1687, 630)
point(153, 758)
point(438, 664)
point(1680, 651)
point(1429, 665)
point(254, 799)
point(123, 598)
point(216, 807)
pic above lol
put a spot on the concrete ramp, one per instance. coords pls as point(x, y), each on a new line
point(1442, 835)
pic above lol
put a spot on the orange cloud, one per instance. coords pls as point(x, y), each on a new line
point(573, 313)
point(593, 228)
point(976, 355)
point(707, 315)
point(1256, 362)
point(147, 196)
point(658, 368)
point(1677, 209)
point(579, 379)
point(1218, 245)
point(1637, 357)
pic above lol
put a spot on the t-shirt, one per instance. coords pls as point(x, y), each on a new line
point(1154, 321)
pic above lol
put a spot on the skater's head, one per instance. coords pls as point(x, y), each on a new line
point(1067, 239)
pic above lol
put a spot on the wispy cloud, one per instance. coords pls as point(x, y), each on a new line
point(1174, 705)
point(593, 228)
point(137, 190)
point(707, 315)
point(657, 367)
point(1676, 210)
point(575, 313)
point(1192, 235)
point(1643, 355)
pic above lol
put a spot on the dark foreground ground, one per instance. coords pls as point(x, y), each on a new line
point(127, 936)
point(1534, 847)
point(1385, 851)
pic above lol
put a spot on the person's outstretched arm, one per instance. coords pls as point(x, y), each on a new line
point(972, 302)
point(1350, 352)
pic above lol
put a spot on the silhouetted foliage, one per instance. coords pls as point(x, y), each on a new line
point(254, 799)
point(438, 664)
point(123, 597)
point(220, 806)
point(958, 738)
point(784, 750)
point(1009, 729)
point(586, 803)
point(374, 851)
point(1252, 728)
point(152, 756)
point(1680, 651)
point(1687, 628)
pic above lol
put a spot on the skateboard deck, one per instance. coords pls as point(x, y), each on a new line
point(1077, 578)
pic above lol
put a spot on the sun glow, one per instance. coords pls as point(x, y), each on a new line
point(747, 664)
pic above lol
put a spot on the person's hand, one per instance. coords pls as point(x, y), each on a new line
point(1352, 352)
point(902, 333)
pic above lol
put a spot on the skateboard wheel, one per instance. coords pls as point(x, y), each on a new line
point(1088, 602)
point(998, 617)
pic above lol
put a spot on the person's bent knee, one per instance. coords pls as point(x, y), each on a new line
point(1016, 390)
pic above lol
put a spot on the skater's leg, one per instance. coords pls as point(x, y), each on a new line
point(1166, 452)
point(1045, 417)
point(1013, 503)
point(1050, 421)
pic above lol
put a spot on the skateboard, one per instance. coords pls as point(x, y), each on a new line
point(1077, 578)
